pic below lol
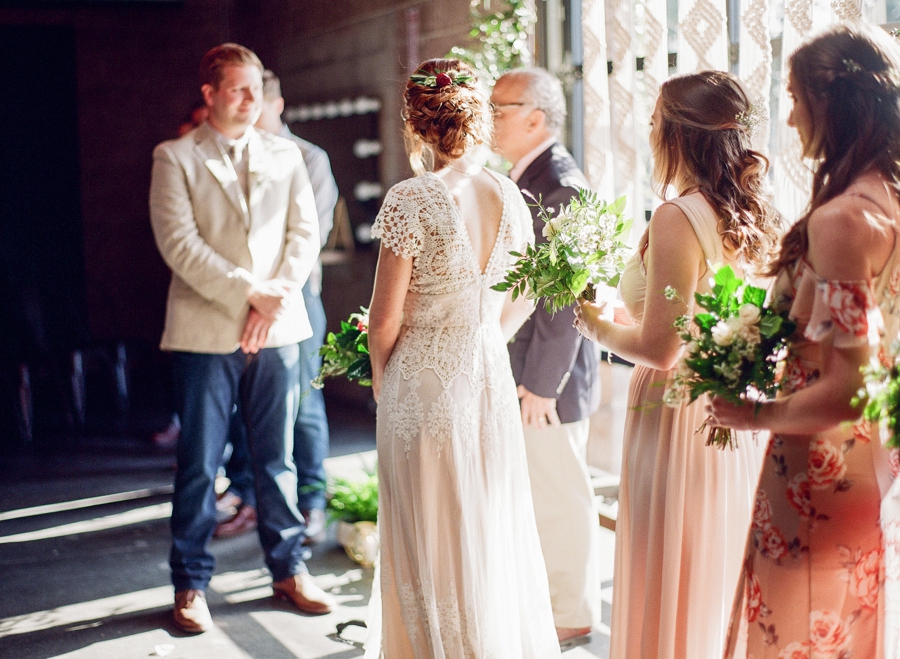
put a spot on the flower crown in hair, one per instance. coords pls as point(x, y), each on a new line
point(441, 79)
point(751, 118)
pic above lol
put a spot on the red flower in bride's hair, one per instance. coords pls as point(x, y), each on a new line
point(442, 80)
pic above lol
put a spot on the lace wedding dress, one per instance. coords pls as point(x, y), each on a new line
point(461, 570)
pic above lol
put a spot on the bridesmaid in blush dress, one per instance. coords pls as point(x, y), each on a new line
point(684, 508)
point(813, 583)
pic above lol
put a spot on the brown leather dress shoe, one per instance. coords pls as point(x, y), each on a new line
point(243, 522)
point(303, 593)
point(191, 614)
point(315, 526)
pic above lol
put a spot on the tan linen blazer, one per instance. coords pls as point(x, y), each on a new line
point(218, 245)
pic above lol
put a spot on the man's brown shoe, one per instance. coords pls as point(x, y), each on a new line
point(243, 522)
point(191, 614)
point(303, 593)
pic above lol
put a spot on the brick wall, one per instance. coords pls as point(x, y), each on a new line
point(136, 78)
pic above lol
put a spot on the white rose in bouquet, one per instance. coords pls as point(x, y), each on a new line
point(749, 314)
point(723, 334)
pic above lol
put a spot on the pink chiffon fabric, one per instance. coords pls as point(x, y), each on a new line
point(684, 507)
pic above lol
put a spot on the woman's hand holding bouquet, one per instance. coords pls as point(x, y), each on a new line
point(585, 249)
point(347, 352)
point(882, 389)
point(732, 349)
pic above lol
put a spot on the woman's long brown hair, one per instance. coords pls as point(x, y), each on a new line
point(705, 132)
point(848, 81)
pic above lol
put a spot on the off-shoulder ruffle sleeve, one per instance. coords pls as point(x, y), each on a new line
point(846, 309)
point(399, 224)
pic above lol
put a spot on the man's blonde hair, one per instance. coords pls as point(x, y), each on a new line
point(228, 54)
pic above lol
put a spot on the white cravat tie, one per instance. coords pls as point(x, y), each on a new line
point(238, 154)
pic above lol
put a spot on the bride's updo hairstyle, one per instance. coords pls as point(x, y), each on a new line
point(445, 113)
point(848, 81)
point(707, 123)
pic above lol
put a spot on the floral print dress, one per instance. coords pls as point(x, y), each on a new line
point(814, 572)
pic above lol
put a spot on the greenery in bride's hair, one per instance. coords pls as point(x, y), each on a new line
point(882, 394)
point(347, 352)
point(585, 249)
point(441, 79)
point(732, 348)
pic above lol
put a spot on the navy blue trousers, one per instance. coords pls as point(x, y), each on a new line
point(311, 437)
point(265, 389)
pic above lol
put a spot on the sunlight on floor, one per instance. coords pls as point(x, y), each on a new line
point(249, 623)
point(77, 504)
point(141, 600)
point(136, 516)
point(154, 644)
point(236, 587)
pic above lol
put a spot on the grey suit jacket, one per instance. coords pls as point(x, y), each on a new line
point(548, 355)
point(218, 243)
point(325, 189)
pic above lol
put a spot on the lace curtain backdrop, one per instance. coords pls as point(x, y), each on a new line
point(619, 98)
point(598, 152)
point(755, 61)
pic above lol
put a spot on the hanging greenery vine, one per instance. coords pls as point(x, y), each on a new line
point(501, 38)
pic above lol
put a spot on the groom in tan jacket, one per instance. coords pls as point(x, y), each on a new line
point(234, 217)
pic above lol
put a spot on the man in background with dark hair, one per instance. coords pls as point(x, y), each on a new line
point(556, 370)
point(233, 215)
point(311, 430)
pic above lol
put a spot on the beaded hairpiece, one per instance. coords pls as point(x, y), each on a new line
point(441, 79)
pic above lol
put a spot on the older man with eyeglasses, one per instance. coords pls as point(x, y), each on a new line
point(555, 370)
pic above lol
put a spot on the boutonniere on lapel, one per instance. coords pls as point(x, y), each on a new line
point(257, 171)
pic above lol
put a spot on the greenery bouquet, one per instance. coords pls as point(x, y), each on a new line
point(732, 348)
point(585, 249)
point(882, 388)
point(347, 352)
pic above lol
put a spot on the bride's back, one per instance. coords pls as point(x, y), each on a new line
point(480, 205)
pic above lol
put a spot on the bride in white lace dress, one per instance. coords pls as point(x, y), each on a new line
point(461, 572)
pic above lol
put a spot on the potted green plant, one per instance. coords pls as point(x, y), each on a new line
point(354, 505)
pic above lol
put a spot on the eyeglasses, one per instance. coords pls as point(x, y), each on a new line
point(495, 109)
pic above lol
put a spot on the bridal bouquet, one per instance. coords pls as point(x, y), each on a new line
point(347, 352)
point(586, 249)
point(882, 388)
point(732, 348)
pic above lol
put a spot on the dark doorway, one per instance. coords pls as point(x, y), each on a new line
point(41, 240)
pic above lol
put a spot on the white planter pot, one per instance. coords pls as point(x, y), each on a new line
point(359, 540)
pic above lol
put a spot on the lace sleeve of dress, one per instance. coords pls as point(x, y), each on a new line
point(848, 310)
point(398, 223)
